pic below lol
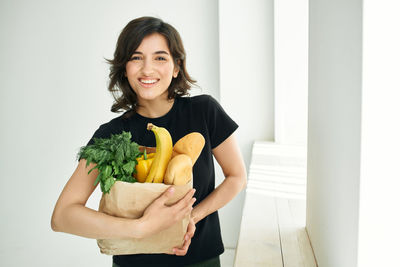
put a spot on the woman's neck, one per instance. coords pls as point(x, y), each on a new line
point(154, 108)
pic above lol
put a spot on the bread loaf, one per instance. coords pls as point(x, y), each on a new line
point(191, 144)
point(179, 170)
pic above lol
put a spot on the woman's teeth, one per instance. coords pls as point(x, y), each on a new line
point(148, 81)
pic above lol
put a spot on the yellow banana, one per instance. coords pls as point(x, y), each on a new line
point(162, 156)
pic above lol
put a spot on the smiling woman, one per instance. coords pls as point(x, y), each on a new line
point(148, 78)
point(147, 46)
point(150, 70)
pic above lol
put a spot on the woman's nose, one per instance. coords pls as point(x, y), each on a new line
point(147, 67)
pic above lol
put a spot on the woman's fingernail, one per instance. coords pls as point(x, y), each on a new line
point(171, 190)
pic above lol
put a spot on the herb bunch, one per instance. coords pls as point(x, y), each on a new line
point(115, 158)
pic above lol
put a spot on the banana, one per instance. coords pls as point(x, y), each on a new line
point(162, 156)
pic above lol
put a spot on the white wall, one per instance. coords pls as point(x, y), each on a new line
point(353, 174)
point(290, 69)
point(53, 97)
point(379, 221)
point(246, 91)
point(246, 63)
point(334, 130)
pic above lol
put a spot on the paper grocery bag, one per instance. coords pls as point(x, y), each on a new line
point(129, 200)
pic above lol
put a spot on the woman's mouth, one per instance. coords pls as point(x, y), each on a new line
point(148, 82)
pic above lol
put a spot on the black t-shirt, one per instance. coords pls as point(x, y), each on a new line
point(188, 114)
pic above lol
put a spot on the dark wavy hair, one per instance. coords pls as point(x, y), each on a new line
point(128, 41)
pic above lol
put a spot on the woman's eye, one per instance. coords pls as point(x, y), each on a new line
point(161, 58)
point(135, 58)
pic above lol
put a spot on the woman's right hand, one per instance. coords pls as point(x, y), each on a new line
point(159, 216)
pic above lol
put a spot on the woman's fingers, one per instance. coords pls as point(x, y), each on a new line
point(166, 195)
point(191, 229)
point(182, 211)
point(186, 200)
point(159, 216)
point(182, 251)
point(183, 203)
point(188, 239)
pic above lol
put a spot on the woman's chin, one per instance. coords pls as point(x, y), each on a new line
point(151, 97)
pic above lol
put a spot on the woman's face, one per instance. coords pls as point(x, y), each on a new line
point(151, 68)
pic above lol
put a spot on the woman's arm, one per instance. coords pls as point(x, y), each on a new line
point(230, 159)
point(71, 216)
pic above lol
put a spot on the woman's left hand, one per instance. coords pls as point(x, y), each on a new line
point(188, 239)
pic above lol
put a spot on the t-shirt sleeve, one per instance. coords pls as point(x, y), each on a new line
point(221, 126)
point(105, 131)
point(102, 132)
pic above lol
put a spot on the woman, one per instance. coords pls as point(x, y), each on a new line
point(148, 78)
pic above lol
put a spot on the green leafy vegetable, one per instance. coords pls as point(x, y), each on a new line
point(115, 158)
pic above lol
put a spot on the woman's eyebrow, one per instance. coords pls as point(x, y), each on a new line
point(161, 52)
point(155, 53)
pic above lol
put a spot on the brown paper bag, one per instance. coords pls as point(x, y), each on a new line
point(129, 200)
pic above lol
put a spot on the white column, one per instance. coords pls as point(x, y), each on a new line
point(353, 145)
point(379, 232)
point(334, 130)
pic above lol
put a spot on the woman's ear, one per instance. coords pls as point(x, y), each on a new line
point(176, 72)
point(176, 68)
